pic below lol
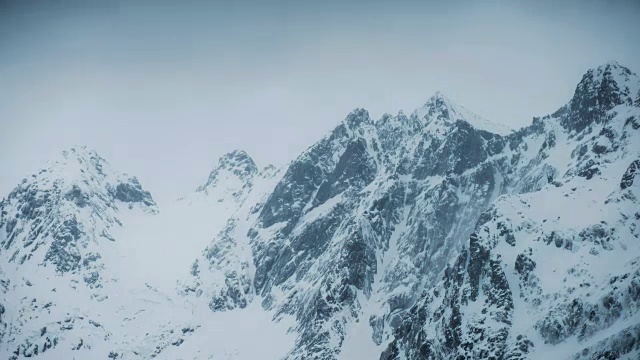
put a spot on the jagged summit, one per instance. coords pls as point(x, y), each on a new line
point(438, 96)
point(79, 151)
point(613, 63)
point(600, 89)
point(613, 79)
point(356, 118)
point(236, 163)
point(74, 162)
point(57, 214)
point(80, 174)
point(437, 112)
point(440, 108)
point(233, 156)
point(81, 171)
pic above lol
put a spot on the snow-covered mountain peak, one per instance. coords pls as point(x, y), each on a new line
point(238, 162)
point(80, 160)
point(439, 109)
point(235, 158)
point(599, 90)
point(74, 166)
point(59, 219)
point(356, 118)
point(237, 165)
point(80, 173)
point(439, 96)
point(438, 106)
point(79, 152)
point(613, 66)
point(612, 79)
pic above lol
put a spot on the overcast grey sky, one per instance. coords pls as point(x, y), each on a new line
point(162, 90)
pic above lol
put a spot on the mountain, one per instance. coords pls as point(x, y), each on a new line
point(58, 220)
point(60, 231)
point(554, 270)
point(89, 264)
point(235, 170)
point(431, 236)
point(371, 216)
point(222, 273)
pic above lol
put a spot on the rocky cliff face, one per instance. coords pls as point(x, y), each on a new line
point(433, 235)
point(553, 271)
point(370, 218)
point(371, 213)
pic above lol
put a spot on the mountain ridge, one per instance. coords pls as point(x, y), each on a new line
point(421, 236)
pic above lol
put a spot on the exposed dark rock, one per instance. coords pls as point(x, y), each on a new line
point(132, 192)
point(630, 174)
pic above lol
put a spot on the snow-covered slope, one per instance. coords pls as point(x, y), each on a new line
point(551, 273)
point(186, 226)
point(222, 275)
point(89, 266)
point(59, 231)
point(432, 236)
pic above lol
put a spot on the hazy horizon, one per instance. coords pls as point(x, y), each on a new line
point(163, 90)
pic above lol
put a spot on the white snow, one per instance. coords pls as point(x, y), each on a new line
point(458, 112)
point(138, 310)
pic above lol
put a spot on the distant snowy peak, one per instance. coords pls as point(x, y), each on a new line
point(612, 77)
point(237, 159)
point(57, 215)
point(599, 90)
point(229, 183)
point(74, 166)
point(357, 118)
point(81, 171)
point(236, 164)
point(441, 109)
